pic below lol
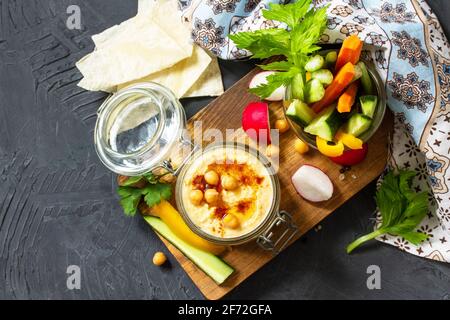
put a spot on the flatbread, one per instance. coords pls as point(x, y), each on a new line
point(129, 52)
point(140, 46)
point(181, 76)
point(146, 5)
point(155, 46)
point(210, 82)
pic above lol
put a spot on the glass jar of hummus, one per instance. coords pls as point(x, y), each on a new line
point(229, 194)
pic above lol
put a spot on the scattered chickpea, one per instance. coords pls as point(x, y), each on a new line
point(301, 147)
point(211, 196)
point(159, 259)
point(196, 196)
point(282, 125)
point(272, 151)
point(229, 183)
point(212, 178)
point(230, 221)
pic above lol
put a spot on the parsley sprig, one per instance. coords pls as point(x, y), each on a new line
point(401, 210)
point(305, 27)
point(153, 192)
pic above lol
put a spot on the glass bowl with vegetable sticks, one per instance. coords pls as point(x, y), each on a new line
point(362, 120)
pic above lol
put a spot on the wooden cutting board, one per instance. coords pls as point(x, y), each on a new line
point(225, 113)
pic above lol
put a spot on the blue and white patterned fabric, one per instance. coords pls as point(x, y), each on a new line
point(406, 43)
point(213, 20)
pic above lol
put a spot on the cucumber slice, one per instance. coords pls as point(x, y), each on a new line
point(213, 266)
point(331, 58)
point(368, 105)
point(358, 73)
point(347, 115)
point(298, 86)
point(358, 124)
point(323, 75)
point(326, 124)
point(366, 80)
point(315, 63)
point(300, 113)
point(314, 91)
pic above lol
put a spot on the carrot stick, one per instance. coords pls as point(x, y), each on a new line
point(334, 90)
point(347, 99)
point(350, 51)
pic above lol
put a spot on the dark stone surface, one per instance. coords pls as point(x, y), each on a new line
point(58, 205)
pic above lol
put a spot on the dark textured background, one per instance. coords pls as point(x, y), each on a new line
point(58, 205)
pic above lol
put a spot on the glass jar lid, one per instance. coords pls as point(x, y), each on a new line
point(137, 128)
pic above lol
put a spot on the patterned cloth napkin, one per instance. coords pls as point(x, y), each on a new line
point(406, 43)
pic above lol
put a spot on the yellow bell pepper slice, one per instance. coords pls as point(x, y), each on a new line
point(308, 76)
point(172, 218)
point(349, 140)
point(328, 150)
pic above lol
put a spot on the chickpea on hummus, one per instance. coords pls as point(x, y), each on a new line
point(227, 192)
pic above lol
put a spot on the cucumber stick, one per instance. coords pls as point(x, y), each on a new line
point(323, 75)
point(298, 87)
point(326, 124)
point(366, 81)
point(331, 58)
point(358, 124)
point(300, 113)
point(314, 91)
point(315, 63)
point(358, 73)
point(213, 266)
point(368, 105)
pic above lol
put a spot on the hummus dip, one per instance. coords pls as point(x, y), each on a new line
point(246, 203)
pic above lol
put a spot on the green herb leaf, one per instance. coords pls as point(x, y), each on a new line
point(405, 184)
point(129, 199)
point(390, 201)
point(306, 25)
point(291, 14)
point(412, 216)
point(305, 35)
point(277, 66)
point(263, 43)
point(247, 39)
point(155, 193)
point(415, 238)
point(274, 81)
point(131, 181)
point(151, 178)
point(402, 210)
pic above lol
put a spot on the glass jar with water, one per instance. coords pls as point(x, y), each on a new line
point(139, 129)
